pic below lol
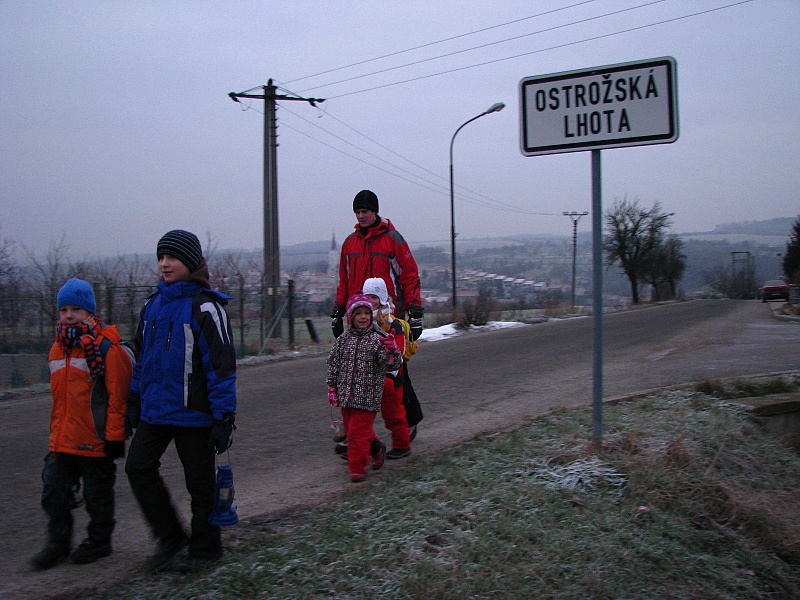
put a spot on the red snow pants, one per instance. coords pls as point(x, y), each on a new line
point(360, 433)
point(393, 412)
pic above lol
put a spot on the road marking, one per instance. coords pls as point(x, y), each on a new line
point(660, 355)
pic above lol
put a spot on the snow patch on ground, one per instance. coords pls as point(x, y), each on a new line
point(448, 331)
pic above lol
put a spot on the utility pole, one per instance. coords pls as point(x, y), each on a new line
point(575, 216)
point(272, 269)
point(741, 279)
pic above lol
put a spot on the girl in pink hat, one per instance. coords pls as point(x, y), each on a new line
point(357, 366)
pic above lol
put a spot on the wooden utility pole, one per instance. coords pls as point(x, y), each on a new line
point(272, 269)
point(575, 216)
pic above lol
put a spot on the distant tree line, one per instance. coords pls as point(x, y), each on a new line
point(791, 259)
point(28, 290)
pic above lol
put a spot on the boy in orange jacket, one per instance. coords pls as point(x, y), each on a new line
point(90, 374)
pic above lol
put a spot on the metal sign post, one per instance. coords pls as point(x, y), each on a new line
point(627, 104)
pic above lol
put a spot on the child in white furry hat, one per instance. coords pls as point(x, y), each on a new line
point(392, 408)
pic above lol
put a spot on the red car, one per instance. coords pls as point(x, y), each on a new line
point(775, 289)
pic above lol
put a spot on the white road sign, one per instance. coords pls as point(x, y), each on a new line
point(628, 104)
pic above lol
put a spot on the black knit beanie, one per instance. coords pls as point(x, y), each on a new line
point(365, 199)
point(183, 245)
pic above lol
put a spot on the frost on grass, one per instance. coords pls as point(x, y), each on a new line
point(583, 475)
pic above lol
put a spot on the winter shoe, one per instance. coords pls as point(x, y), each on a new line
point(90, 551)
point(341, 450)
point(194, 565)
point(167, 549)
point(357, 477)
point(378, 452)
point(50, 556)
point(76, 499)
point(394, 453)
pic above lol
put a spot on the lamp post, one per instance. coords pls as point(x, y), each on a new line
point(493, 108)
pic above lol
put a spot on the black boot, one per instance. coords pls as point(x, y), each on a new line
point(50, 556)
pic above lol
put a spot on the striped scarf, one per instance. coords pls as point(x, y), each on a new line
point(84, 333)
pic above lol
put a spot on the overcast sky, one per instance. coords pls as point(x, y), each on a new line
point(117, 126)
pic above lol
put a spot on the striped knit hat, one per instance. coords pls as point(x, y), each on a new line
point(183, 245)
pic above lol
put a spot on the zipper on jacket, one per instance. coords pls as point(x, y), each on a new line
point(169, 334)
point(354, 371)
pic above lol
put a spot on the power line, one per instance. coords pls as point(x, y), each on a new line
point(486, 45)
point(557, 46)
point(455, 37)
point(487, 202)
point(507, 207)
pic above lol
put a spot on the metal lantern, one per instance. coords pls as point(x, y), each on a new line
point(224, 512)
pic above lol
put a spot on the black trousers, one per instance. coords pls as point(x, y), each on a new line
point(60, 473)
point(144, 461)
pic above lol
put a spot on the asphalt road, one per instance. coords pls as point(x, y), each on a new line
point(282, 454)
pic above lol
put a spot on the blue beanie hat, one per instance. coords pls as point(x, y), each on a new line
point(182, 245)
point(76, 292)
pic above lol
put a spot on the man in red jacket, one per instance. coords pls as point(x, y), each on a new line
point(376, 249)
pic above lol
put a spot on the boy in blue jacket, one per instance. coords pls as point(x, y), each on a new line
point(183, 390)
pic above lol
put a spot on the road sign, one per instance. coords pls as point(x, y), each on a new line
point(627, 104)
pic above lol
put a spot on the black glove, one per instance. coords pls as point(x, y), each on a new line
point(415, 321)
point(115, 449)
point(133, 413)
point(337, 323)
point(222, 433)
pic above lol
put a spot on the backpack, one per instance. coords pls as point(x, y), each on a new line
point(99, 400)
point(106, 344)
point(411, 344)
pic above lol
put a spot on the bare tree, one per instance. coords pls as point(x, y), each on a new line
point(632, 233)
point(48, 275)
point(257, 266)
point(7, 248)
point(235, 277)
point(139, 279)
point(10, 292)
point(664, 267)
point(108, 273)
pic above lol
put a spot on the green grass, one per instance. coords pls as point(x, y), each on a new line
point(687, 499)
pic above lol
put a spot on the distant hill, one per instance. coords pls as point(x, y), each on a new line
point(707, 252)
point(781, 226)
point(770, 232)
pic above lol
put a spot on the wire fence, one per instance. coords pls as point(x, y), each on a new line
point(261, 325)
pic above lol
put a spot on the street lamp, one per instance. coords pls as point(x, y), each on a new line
point(493, 108)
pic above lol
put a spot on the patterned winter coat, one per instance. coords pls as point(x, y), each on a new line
point(357, 366)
